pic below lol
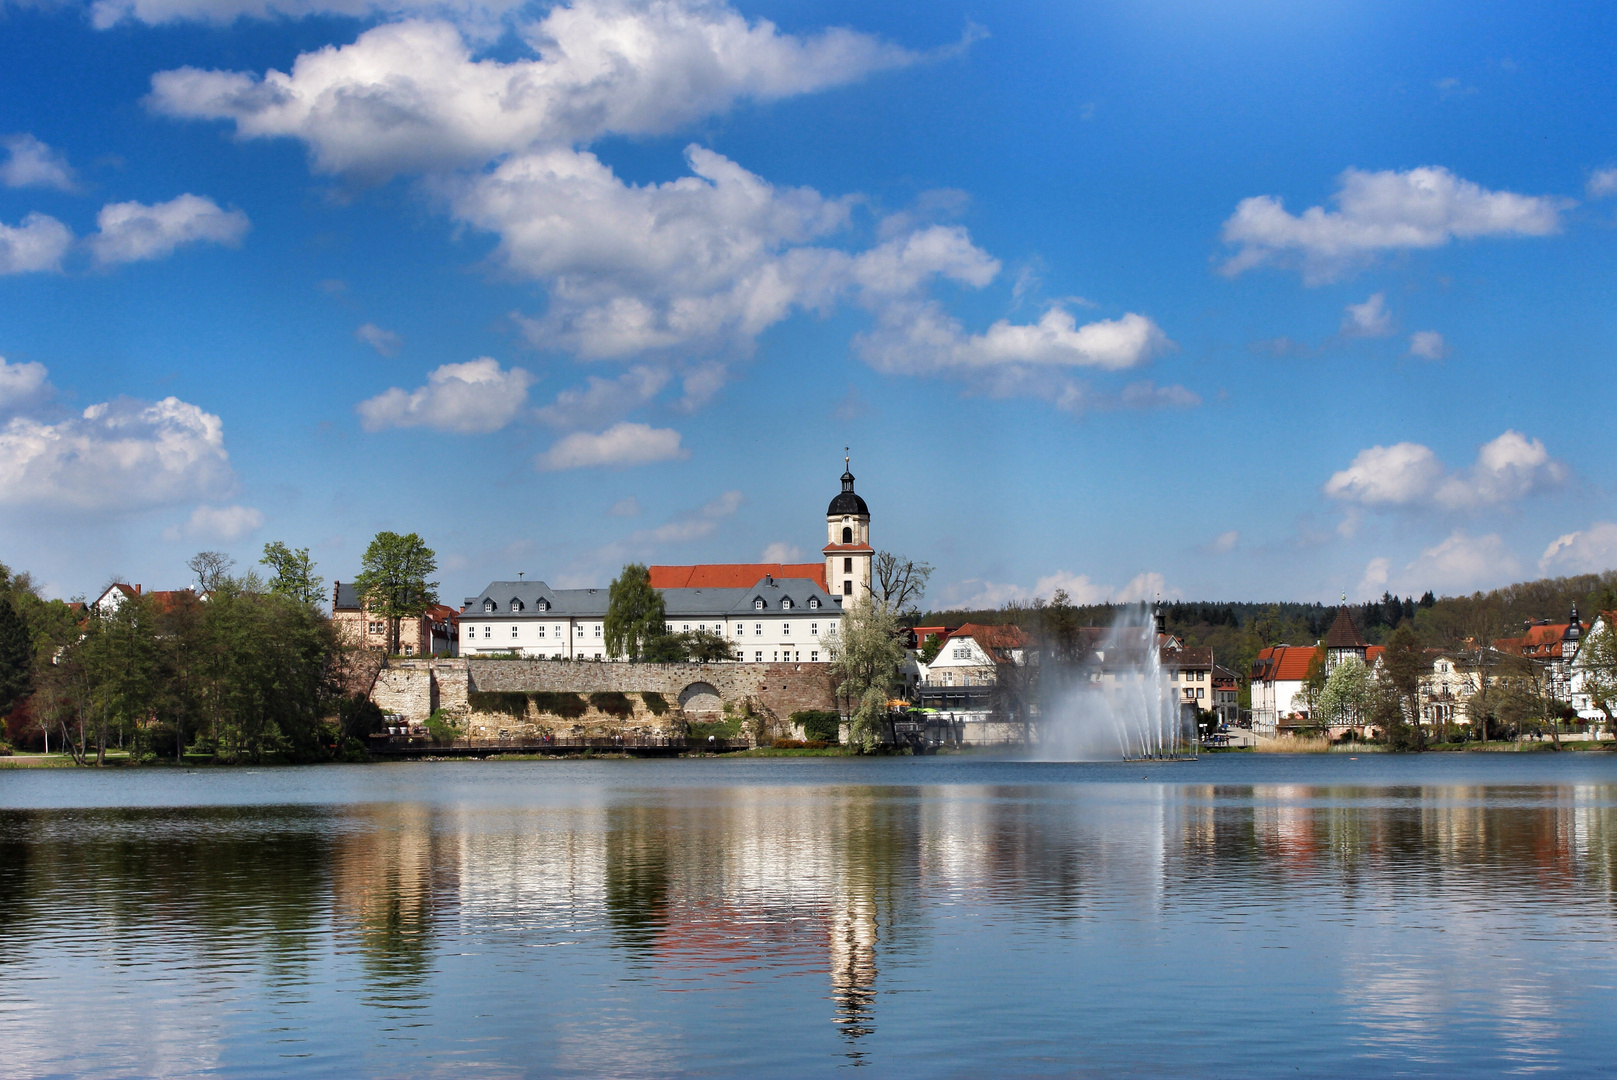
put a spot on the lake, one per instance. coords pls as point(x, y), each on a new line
point(1240, 915)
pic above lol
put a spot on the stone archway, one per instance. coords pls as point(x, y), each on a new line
point(700, 701)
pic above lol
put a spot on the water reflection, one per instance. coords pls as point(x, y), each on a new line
point(1403, 914)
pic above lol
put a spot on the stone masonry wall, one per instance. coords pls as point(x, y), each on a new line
point(770, 692)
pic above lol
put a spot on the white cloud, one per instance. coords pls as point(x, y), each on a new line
point(603, 401)
point(979, 594)
point(625, 507)
point(1586, 551)
point(620, 445)
point(781, 552)
point(383, 341)
point(706, 261)
point(115, 457)
point(22, 385)
point(1507, 469)
point(482, 16)
point(408, 96)
point(30, 163)
point(473, 398)
point(922, 337)
point(38, 243)
point(1369, 319)
point(132, 231)
point(1375, 575)
point(1428, 345)
point(1461, 563)
point(218, 523)
point(1602, 184)
point(1223, 543)
point(1379, 212)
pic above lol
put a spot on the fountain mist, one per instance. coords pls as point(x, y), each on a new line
point(1114, 701)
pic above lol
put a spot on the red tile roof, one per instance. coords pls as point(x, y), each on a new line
point(732, 575)
point(996, 641)
point(1284, 663)
point(1539, 641)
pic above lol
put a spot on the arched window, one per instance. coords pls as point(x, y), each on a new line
point(847, 535)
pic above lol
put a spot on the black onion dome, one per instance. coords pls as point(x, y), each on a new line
point(846, 501)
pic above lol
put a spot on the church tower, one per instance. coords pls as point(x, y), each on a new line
point(848, 552)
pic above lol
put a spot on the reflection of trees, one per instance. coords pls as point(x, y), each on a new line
point(638, 849)
point(383, 893)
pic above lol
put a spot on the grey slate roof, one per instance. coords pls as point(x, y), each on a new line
point(347, 597)
point(680, 603)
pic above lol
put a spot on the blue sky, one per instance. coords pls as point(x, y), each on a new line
point(1242, 301)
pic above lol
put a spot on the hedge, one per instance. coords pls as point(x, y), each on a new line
point(570, 706)
point(613, 702)
point(819, 724)
point(501, 701)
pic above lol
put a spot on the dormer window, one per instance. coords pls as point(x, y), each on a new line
point(488, 605)
point(542, 605)
point(814, 601)
point(758, 604)
point(516, 605)
point(786, 602)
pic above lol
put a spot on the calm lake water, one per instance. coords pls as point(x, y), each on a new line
point(1235, 916)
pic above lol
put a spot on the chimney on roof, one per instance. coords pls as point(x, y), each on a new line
point(769, 579)
point(137, 590)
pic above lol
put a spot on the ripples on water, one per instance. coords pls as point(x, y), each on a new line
point(1251, 916)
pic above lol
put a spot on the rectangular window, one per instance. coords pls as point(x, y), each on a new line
point(814, 629)
point(814, 657)
point(758, 631)
point(597, 629)
point(833, 629)
point(847, 588)
point(847, 566)
point(513, 631)
point(541, 631)
point(686, 627)
point(759, 657)
point(786, 628)
point(488, 631)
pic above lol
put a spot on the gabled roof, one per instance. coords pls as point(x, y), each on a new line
point(1343, 634)
point(1541, 642)
point(1284, 663)
point(997, 641)
point(732, 575)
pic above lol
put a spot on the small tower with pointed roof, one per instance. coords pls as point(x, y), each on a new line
point(848, 553)
point(1343, 639)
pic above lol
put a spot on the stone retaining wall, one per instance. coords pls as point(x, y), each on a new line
point(766, 693)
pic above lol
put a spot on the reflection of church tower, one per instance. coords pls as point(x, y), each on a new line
point(848, 552)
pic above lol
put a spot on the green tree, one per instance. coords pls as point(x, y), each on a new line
point(1403, 665)
point(1345, 700)
point(865, 664)
point(635, 614)
point(16, 657)
point(393, 580)
point(294, 574)
point(1597, 661)
point(707, 647)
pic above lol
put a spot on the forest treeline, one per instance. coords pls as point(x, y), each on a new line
point(1237, 631)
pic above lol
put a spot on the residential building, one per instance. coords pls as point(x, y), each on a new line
point(774, 621)
point(1189, 671)
point(433, 633)
point(1578, 680)
point(1226, 696)
point(973, 654)
point(113, 597)
point(1551, 645)
point(1455, 678)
